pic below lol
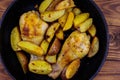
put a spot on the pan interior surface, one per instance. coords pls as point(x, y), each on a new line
point(89, 66)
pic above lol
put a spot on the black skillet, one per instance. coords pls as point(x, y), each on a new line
point(89, 67)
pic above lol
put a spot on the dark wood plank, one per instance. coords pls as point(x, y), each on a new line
point(110, 67)
point(114, 46)
point(107, 77)
point(3, 6)
point(111, 10)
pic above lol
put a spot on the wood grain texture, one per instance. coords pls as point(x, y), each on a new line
point(111, 10)
point(111, 68)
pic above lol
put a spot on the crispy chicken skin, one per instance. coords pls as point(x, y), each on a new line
point(32, 28)
point(76, 46)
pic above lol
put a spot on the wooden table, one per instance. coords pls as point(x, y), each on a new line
point(111, 68)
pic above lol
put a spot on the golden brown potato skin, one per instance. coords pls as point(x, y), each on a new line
point(44, 45)
point(72, 68)
point(23, 60)
point(51, 31)
point(62, 20)
point(92, 30)
point(54, 49)
point(64, 4)
point(52, 5)
point(69, 21)
point(31, 48)
point(44, 5)
point(83, 27)
point(94, 47)
point(39, 67)
point(80, 18)
point(51, 58)
point(50, 16)
point(15, 38)
point(60, 34)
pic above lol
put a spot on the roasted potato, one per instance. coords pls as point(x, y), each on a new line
point(32, 28)
point(53, 51)
point(55, 47)
point(51, 31)
point(31, 48)
point(34, 57)
point(80, 18)
point(15, 38)
point(44, 45)
point(69, 9)
point(62, 20)
point(60, 34)
point(40, 67)
point(83, 27)
point(72, 68)
point(44, 5)
point(64, 4)
point(94, 47)
point(50, 16)
point(76, 11)
point(23, 60)
point(52, 5)
point(69, 21)
point(92, 30)
point(51, 58)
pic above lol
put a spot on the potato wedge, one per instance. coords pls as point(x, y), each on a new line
point(60, 34)
point(62, 20)
point(92, 30)
point(51, 31)
point(53, 4)
point(65, 4)
point(31, 48)
point(40, 67)
point(83, 27)
point(55, 47)
point(15, 38)
point(52, 53)
point(51, 59)
point(76, 11)
point(72, 68)
point(69, 21)
point(34, 57)
point(44, 5)
point(44, 45)
point(94, 47)
point(69, 9)
point(23, 60)
point(80, 18)
point(50, 16)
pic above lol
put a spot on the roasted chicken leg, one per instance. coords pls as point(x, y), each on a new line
point(76, 46)
point(32, 28)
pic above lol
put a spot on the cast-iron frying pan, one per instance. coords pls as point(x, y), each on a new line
point(89, 67)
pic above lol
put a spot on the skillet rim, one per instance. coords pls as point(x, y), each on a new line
point(1, 22)
point(106, 30)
